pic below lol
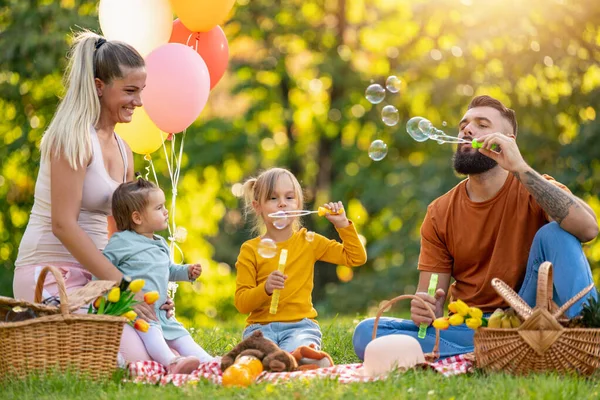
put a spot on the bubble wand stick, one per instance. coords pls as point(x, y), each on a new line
point(433, 281)
point(277, 292)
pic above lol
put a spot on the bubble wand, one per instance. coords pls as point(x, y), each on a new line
point(321, 211)
point(277, 292)
point(433, 281)
point(421, 129)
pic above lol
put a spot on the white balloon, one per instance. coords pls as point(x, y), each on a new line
point(144, 24)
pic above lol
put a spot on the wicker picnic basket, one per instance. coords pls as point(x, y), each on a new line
point(435, 353)
point(541, 343)
point(57, 339)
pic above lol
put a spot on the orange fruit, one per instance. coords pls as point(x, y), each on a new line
point(252, 363)
point(237, 375)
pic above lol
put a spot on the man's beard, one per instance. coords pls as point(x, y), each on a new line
point(471, 163)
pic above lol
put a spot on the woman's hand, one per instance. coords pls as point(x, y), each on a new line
point(169, 307)
point(143, 310)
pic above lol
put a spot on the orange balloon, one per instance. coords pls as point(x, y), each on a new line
point(212, 47)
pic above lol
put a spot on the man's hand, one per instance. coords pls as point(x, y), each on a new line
point(194, 271)
point(509, 157)
point(421, 315)
point(275, 281)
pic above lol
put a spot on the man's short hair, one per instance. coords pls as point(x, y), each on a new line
point(487, 101)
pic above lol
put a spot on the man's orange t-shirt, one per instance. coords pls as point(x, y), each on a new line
point(476, 242)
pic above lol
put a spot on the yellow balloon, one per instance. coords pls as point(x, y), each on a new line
point(201, 15)
point(141, 134)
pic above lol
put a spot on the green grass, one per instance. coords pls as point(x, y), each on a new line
point(337, 335)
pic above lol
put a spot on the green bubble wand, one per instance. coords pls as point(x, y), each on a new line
point(433, 281)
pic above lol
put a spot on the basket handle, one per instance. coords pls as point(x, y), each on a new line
point(512, 298)
point(435, 354)
point(60, 283)
point(573, 300)
point(544, 287)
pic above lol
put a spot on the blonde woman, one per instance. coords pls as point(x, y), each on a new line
point(83, 162)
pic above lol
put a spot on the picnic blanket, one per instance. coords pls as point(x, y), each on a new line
point(151, 372)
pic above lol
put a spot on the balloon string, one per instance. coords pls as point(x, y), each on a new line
point(173, 191)
point(170, 175)
point(153, 172)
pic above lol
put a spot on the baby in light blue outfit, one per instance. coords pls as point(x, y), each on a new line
point(139, 211)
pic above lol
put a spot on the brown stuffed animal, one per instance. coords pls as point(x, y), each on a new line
point(273, 358)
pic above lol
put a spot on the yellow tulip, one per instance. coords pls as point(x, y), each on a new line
point(452, 307)
point(475, 312)
point(141, 325)
point(130, 315)
point(456, 319)
point(462, 308)
point(136, 285)
point(114, 295)
point(441, 323)
point(151, 297)
point(473, 323)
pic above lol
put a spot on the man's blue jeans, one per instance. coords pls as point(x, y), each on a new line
point(571, 272)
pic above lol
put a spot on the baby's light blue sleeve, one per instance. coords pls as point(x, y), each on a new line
point(179, 273)
point(111, 251)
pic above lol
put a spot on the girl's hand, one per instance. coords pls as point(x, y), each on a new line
point(274, 281)
point(339, 220)
point(194, 271)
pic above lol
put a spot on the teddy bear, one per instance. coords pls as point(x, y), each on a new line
point(273, 358)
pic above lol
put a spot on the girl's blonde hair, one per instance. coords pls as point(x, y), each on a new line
point(260, 189)
point(91, 57)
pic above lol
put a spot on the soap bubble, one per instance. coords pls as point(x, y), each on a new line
point(281, 223)
point(267, 248)
point(412, 127)
point(393, 84)
point(280, 219)
point(375, 93)
point(378, 150)
point(389, 115)
point(310, 236)
point(427, 128)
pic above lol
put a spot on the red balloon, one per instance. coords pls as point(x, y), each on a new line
point(212, 47)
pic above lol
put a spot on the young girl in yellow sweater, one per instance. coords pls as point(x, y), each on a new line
point(293, 324)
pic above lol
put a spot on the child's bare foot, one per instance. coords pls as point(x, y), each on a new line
point(183, 365)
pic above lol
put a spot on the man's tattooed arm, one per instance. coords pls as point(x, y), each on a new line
point(555, 201)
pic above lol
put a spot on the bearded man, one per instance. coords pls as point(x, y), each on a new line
point(502, 222)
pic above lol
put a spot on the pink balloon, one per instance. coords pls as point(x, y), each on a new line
point(177, 87)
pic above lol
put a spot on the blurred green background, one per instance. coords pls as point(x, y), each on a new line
point(293, 96)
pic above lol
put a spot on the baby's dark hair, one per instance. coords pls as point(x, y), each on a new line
point(129, 197)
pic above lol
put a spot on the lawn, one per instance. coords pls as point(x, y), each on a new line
point(337, 335)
